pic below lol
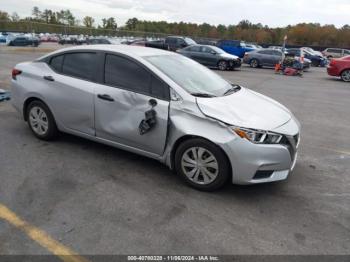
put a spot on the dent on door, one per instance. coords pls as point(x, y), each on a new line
point(135, 120)
point(150, 120)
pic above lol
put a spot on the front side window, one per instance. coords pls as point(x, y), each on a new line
point(80, 65)
point(206, 49)
point(127, 74)
point(124, 73)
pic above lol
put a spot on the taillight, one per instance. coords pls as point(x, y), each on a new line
point(15, 73)
point(332, 63)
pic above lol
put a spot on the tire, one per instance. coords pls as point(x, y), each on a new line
point(345, 75)
point(254, 63)
point(315, 63)
point(222, 65)
point(41, 121)
point(329, 57)
point(207, 176)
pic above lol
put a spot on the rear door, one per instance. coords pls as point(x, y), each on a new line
point(70, 90)
point(122, 101)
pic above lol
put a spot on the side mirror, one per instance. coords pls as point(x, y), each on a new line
point(213, 52)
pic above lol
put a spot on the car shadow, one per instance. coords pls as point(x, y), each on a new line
point(162, 175)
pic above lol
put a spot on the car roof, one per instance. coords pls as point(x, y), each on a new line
point(137, 51)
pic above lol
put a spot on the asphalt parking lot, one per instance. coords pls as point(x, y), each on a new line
point(96, 199)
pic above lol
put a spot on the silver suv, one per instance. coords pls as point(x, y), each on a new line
point(161, 105)
point(335, 52)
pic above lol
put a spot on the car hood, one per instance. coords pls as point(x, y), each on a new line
point(229, 56)
point(246, 108)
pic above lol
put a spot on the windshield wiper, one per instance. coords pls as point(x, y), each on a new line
point(202, 95)
point(232, 89)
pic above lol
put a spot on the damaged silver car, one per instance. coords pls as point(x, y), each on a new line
point(161, 105)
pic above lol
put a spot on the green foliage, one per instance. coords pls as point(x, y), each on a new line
point(64, 22)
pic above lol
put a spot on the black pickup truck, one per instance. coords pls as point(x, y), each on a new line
point(171, 43)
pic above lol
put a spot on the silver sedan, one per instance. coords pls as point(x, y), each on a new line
point(161, 105)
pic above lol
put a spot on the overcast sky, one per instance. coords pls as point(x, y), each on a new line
point(271, 12)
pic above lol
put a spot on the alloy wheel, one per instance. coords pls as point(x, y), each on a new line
point(38, 120)
point(345, 76)
point(222, 65)
point(254, 63)
point(199, 165)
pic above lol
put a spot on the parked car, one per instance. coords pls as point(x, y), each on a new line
point(22, 41)
point(316, 60)
point(268, 57)
point(138, 43)
point(4, 95)
point(313, 51)
point(335, 52)
point(98, 41)
point(171, 43)
point(234, 47)
point(340, 67)
point(211, 56)
point(253, 46)
point(161, 105)
point(2, 38)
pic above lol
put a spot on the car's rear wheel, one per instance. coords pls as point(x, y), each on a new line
point(222, 65)
point(345, 75)
point(254, 63)
point(202, 164)
point(41, 121)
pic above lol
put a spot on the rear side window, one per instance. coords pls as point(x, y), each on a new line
point(266, 52)
point(194, 48)
point(277, 53)
point(121, 72)
point(80, 65)
point(56, 63)
point(333, 50)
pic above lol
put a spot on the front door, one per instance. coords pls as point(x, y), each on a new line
point(208, 56)
point(124, 103)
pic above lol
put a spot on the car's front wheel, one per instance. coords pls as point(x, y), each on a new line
point(223, 65)
point(202, 164)
point(345, 75)
point(41, 121)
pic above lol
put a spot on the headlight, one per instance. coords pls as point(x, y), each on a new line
point(257, 136)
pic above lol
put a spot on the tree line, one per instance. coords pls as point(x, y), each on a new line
point(312, 34)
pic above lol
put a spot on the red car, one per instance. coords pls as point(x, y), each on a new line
point(340, 67)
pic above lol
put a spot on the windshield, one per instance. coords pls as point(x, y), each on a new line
point(191, 76)
point(190, 41)
point(218, 50)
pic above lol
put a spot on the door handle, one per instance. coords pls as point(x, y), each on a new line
point(49, 78)
point(105, 97)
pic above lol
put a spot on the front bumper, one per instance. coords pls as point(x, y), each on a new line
point(260, 163)
point(235, 63)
